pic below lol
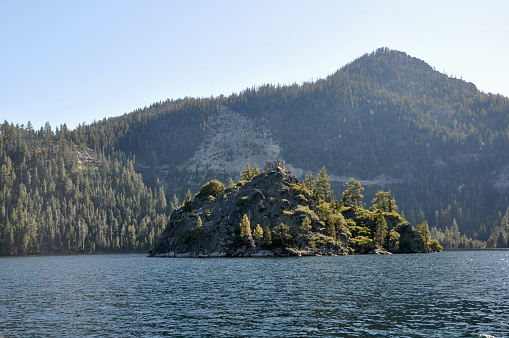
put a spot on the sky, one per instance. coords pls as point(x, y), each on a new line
point(79, 61)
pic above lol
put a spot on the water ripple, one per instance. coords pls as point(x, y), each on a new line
point(452, 294)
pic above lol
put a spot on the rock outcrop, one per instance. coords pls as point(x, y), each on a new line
point(273, 201)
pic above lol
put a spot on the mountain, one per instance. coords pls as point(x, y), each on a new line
point(271, 213)
point(386, 119)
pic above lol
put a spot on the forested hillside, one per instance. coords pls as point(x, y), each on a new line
point(386, 119)
point(56, 197)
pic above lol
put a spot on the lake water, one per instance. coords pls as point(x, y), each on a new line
point(451, 294)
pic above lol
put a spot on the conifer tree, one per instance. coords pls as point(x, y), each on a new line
point(455, 232)
point(310, 182)
point(267, 237)
point(246, 173)
point(199, 232)
point(353, 194)
point(255, 172)
point(381, 228)
point(423, 230)
point(384, 201)
point(394, 240)
point(323, 185)
point(281, 233)
point(245, 227)
point(188, 197)
point(174, 202)
point(258, 233)
point(306, 224)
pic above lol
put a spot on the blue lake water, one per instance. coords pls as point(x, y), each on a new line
point(451, 294)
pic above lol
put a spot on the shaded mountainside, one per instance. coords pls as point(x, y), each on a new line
point(273, 214)
point(387, 119)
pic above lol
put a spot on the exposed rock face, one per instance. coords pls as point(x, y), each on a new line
point(233, 137)
point(410, 240)
point(268, 200)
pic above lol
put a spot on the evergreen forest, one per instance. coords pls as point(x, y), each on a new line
point(386, 118)
point(57, 197)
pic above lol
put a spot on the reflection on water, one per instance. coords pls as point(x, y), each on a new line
point(450, 294)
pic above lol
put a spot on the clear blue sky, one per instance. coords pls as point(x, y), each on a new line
point(80, 61)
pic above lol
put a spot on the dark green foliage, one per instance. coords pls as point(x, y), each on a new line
point(258, 232)
point(381, 228)
point(423, 231)
point(384, 201)
point(452, 238)
point(281, 233)
point(255, 172)
point(323, 185)
point(363, 243)
point(306, 225)
point(499, 238)
point(310, 182)
point(57, 197)
point(353, 194)
point(189, 236)
point(394, 237)
point(267, 238)
point(188, 198)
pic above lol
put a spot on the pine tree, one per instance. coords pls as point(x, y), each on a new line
point(258, 233)
point(306, 224)
point(310, 182)
point(281, 233)
point(323, 185)
point(245, 227)
point(393, 240)
point(175, 203)
point(423, 230)
point(455, 232)
point(246, 173)
point(199, 232)
point(255, 172)
point(381, 228)
point(353, 194)
point(267, 237)
point(384, 201)
point(188, 197)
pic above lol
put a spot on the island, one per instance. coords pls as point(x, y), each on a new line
point(269, 213)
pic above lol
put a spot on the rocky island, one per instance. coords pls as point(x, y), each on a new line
point(270, 213)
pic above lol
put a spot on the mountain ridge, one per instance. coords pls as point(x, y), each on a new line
point(387, 119)
point(385, 114)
